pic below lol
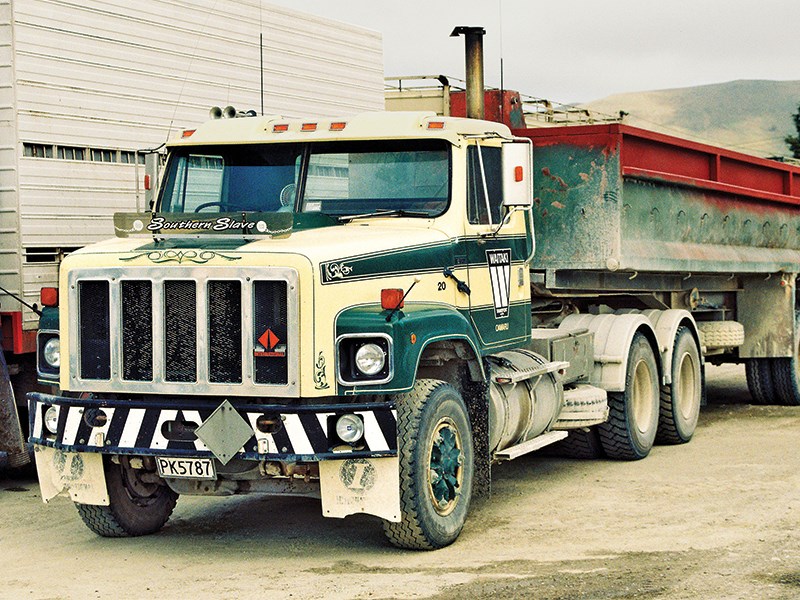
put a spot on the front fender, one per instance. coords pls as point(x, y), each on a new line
point(411, 330)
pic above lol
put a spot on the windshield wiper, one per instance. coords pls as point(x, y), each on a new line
point(384, 212)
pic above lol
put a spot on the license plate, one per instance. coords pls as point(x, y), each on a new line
point(186, 468)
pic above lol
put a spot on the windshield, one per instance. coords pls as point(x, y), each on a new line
point(334, 178)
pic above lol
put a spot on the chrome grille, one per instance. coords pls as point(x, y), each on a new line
point(184, 331)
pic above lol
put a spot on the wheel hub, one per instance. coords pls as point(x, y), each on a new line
point(445, 473)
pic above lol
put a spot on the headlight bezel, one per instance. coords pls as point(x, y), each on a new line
point(44, 369)
point(348, 346)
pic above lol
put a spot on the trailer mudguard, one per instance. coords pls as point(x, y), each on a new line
point(612, 342)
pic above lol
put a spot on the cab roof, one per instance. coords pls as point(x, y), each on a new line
point(365, 126)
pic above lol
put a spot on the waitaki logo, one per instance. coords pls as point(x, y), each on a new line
point(500, 274)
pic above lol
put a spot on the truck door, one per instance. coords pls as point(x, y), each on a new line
point(499, 300)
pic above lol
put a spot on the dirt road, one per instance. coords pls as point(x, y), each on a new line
point(717, 518)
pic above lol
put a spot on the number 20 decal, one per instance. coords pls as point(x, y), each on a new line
point(441, 286)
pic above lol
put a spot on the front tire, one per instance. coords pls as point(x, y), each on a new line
point(138, 505)
point(436, 466)
point(680, 401)
point(632, 423)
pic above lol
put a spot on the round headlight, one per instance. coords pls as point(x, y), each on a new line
point(51, 419)
point(370, 359)
point(52, 352)
point(350, 428)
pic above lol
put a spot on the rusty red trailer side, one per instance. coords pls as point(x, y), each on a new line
point(614, 197)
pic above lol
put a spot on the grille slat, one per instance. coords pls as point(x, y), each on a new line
point(225, 331)
point(95, 331)
point(137, 330)
point(269, 304)
point(180, 331)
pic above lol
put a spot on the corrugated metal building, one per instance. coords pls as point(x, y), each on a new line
point(85, 84)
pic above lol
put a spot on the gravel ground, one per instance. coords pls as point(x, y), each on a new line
point(714, 519)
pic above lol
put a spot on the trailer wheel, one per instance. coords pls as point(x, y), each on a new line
point(786, 376)
point(436, 466)
point(759, 380)
point(680, 401)
point(580, 443)
point(632, 422)
point(137, 505)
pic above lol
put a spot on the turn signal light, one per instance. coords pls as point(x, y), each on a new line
point(49, 296)
point(391, 299)
point(518, 174)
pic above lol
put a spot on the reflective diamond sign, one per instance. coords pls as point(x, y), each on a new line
point(224, 432)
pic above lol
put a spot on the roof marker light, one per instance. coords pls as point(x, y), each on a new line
point(435, 124)
point(308, 127)
point(279, 128)
point(338, 125)
point(188, 133)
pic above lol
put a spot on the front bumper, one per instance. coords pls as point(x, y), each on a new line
point(147, 426)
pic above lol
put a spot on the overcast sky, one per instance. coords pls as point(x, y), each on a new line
point(582, 50)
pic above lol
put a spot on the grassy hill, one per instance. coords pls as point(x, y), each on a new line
point(750, 116)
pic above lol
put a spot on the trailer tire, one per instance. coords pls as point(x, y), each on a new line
point(436, 466)
point(136, 507)
point(680, 401)
point(632, 423)
point(580, 443)
point(759, 380)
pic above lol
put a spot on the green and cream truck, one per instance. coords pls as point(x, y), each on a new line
point(375, 310)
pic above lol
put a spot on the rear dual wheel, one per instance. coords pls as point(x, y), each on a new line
point(680, 400)
point(630, 431)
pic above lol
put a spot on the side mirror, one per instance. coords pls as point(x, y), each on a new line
point(151, 167)
point(517, 165)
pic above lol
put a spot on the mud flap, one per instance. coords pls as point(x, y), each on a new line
point(79, 473)
point(361, 485)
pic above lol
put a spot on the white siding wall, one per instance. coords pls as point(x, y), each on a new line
point(128, 75)
point(9, 215)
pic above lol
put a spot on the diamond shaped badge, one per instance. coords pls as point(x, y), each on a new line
point(224, 432)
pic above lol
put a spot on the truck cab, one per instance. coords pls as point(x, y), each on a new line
point(332, 308)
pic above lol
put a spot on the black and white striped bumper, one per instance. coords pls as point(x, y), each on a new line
point(140, 427)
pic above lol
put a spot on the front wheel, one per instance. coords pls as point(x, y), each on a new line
point(139, 503)
point(630, 431)
point(436, 466)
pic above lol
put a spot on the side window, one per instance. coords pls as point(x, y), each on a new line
point(478, 209)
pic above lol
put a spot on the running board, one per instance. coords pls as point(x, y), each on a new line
point(541, 441)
